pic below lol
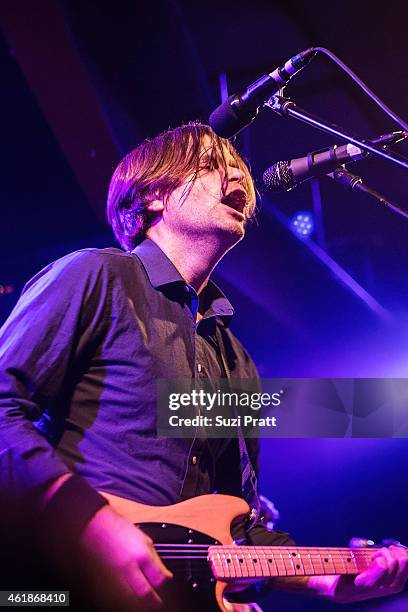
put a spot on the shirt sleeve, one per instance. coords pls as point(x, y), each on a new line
point(60, 311)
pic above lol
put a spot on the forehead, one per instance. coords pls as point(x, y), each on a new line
point(211, 147)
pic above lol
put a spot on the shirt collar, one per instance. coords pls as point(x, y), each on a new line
point(161, 271)
point(158, 266)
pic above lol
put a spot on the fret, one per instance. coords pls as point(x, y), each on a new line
point(362, 559)
point(351, 564)
point(267, 568)
point(280, 564)
point(339, 564)
point(308, 564)
point(216, 565)
point(240, 568)
point(328, 564)
point(224, 566)
point(297, 562)
point(317, 563)
point(231, 567)
point(250, 564)
point(270, 562)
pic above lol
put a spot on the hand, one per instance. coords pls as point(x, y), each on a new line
point(122, 567)
point(386, 575)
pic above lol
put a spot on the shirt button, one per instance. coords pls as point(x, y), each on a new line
point(194, 460)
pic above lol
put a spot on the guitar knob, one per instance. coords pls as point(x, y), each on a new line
point(361, 543)
point(252, 514)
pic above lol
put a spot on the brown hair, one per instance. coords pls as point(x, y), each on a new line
point(155, 168)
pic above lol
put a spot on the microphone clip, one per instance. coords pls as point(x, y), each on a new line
point(279, 104)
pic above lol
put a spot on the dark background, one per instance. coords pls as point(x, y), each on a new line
point(83, 82)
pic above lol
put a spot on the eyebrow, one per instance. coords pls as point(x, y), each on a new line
point(224, 155)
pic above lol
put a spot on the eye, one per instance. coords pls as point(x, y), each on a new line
point(208, 164)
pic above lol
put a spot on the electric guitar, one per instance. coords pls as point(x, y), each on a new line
point(194, 541)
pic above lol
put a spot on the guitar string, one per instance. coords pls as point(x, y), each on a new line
point(193, 558)
point(206, 558)
point(257, 551)
point(166, 553)
point(256, 554)
point(174, 553)
point(272, 571)
point(313, 559)
point(276, 549)
point(245, 571)
point(273, 568)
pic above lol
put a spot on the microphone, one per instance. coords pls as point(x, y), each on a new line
point(285, 175)
point(239, 110)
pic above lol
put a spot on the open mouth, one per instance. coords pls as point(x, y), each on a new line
point(236, 199)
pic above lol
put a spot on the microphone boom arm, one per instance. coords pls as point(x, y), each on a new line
point(285, 107)
point(356, 183)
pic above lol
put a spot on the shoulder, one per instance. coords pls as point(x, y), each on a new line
point(86, 266)
point(89, 259)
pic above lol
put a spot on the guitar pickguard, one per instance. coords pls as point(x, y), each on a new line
point(184, 552)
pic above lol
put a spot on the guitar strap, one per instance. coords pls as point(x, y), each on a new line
point(248, 476)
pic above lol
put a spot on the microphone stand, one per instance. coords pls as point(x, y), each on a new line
point(355, 183)
point(287, 108)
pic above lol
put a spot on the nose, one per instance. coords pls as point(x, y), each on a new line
point(235, 174)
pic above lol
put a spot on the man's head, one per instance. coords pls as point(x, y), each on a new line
point(180, 178)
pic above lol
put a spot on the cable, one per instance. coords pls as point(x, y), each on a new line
point(363, 86)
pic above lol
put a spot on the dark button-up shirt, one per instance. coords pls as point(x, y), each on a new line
point(79, 359)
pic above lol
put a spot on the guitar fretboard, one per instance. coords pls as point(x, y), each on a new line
point(230, 562)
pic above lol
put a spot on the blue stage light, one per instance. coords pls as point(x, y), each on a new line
point(303, 224)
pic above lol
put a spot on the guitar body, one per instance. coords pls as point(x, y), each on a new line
point(197, 523)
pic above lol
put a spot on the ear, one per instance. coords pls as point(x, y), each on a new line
point(156, 206)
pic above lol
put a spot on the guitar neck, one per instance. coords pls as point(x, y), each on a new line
point(231, 562)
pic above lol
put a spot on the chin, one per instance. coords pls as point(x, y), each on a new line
point(234, 231)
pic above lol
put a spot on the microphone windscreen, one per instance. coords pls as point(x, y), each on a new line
point(279, 177)
point(224, 121)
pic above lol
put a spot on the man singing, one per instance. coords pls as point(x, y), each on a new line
point(79, 359)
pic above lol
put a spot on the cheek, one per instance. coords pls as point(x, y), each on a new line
point(178, 199)
point(195, 199)
point(211, 188)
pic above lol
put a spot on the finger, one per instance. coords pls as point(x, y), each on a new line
point(145, 595)
point(401, 577)
point(154, 569)
point(391, 561)
point(371, 576)
point(168, 574)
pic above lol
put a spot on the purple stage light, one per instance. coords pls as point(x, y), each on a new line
point(6, 290)
point(303, 224)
